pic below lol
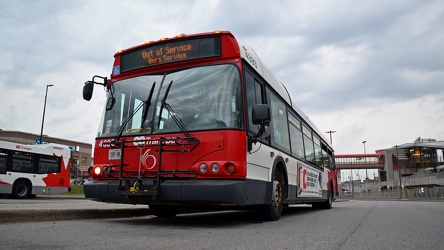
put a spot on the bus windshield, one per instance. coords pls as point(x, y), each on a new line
point(201, 98)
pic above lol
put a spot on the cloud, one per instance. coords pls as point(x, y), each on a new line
point(369, 70)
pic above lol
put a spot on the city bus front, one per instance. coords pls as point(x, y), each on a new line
point(172, 137)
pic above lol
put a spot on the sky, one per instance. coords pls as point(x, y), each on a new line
point(370, 70)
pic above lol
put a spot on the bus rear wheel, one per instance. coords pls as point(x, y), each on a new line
point(21, 189)
point(327, 204)
point(273, 211)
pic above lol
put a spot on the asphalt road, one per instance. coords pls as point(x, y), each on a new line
point(348, 225)
point(64, 207)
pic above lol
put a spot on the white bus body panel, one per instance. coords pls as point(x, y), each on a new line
point(309, 181)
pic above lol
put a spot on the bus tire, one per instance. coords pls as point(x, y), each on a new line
point(164, 211)
point(327, 204)
point(21, 189)
point(273, 211)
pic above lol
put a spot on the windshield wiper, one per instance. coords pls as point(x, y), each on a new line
point(171, 112)
point(122, 128)
point(147, 105)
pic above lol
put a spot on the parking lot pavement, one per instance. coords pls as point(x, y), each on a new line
point(67, 207)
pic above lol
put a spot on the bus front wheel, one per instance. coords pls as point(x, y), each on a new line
point(273, 211)
point(21, 189)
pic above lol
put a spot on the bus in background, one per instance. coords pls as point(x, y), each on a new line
point(199, 121)
point(29, 170)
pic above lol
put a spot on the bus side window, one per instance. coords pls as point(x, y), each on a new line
point(49, 165)
point(254, 96)
point(279, 123)
point(308, 145)
point(327, 157)
point(43, 169)
point(3, 158)
point(297, 144)
point(23, 162)
point(318, 151)
point(2, 165)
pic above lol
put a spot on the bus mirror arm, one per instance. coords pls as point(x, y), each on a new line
point(264, 130)
point(88, 88)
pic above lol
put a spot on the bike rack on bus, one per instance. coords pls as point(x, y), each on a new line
point(178, 144)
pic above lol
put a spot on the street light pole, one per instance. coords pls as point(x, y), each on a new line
point(365, 161)
point(44, 109)
point(353, 185)
point(330, 132)
point(399, 171)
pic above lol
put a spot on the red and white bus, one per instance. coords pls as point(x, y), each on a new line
point(198, 120)
point(29, 170)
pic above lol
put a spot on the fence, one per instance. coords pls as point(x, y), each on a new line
point(436, 192)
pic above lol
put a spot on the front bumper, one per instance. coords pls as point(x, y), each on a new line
point(185, 192)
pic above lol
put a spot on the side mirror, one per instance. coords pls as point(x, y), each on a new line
point(88, 89)
point(89, 86)
point(110, 103)
point(261, 114)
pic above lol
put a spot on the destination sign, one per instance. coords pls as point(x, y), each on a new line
point(171, 52)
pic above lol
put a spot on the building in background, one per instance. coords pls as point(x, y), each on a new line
point(81, 152)
point(410, 170)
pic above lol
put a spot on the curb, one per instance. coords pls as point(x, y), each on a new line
point(61, 196)
point(341, 200)
point(47, 215)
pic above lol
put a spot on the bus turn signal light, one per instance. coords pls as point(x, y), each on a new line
point(230, 167)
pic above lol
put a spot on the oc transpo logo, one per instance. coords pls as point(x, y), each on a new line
point(147, 160)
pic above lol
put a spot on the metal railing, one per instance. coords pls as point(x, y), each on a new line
point(436, 192)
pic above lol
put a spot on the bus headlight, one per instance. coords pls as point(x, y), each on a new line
point(97, 170)
point(203, 167)
point(215, 167)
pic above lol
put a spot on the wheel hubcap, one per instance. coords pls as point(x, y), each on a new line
point(277, 194)
point(21, 190)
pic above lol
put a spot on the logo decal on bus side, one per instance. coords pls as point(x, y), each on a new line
point(251, 60)
point(144, 159)
point(105, 141)
point(142, 141)
point(309, 181)
point(23, 147)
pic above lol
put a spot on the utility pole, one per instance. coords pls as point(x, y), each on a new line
point(399, 170)
point(44, 109)
point(365, 162)
point(331, 132)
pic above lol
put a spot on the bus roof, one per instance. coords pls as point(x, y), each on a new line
point(46, 149)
